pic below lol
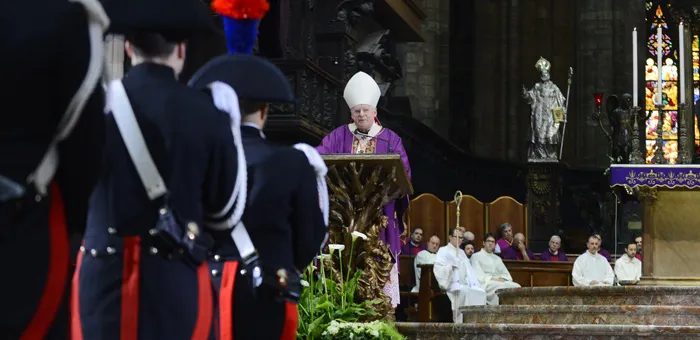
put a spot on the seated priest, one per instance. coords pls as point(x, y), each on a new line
point(365, 135)
point(604, 253)
point(468, 248)
point(628, 267)
point(413, 245)
point(553, 253)
point(468, 237)
point(638, 241)
point(426, 256)
point(491, 271)
point(505, 243)
point(455, 275)
point(521, 251)
point(591, 268)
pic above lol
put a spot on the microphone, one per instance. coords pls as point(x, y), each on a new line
point(360, 134)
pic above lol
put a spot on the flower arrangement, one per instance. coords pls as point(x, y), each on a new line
point(360, 331)
point(329, 306)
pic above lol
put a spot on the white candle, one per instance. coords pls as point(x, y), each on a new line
point(659, 62)
point(682, 57)
point(635, 71)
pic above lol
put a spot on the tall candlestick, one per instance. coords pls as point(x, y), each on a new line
point(682, 57)
point(635, 71)
point(659, 62)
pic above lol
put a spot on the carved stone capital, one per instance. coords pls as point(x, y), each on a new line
point(351, 12)
point(646, 194)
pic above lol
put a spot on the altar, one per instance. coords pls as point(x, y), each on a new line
point(670, 195)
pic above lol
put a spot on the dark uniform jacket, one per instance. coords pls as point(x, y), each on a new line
point(125, 282)
point(286, 225)
point(45, 56)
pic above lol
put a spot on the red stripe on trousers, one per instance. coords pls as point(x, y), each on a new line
point(291, 321)
point(76, 327)
point(228, 281)
point(57, 276)
point(205, 312)
point(130, 288)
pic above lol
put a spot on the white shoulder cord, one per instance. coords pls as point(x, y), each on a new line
point(97, 23)
point(321, 170)
point(225, 99)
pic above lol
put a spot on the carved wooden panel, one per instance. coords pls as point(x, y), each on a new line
point(471, 217)
point(427, 212)
point(507, 209)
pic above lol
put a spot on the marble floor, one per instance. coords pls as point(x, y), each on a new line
point(575, 313)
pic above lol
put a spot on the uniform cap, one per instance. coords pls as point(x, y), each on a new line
point(253, 78)
point(176, 20)
point(362, 89)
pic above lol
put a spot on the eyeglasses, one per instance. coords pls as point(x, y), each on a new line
point(490, 241)
point(458, 237)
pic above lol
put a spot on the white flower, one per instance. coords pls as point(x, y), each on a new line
point(304, 283)
point(338, 247)
point(356, 234)
point(323, 256)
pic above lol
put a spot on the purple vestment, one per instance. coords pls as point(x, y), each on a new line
point(340, 141)
point(548, 256)
point(507, 251)
point(409, 249)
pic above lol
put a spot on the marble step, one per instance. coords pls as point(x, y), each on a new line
point(582, 314)
point(450, 331)
point(620, 295)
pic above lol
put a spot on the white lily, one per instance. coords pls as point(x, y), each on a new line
point(338, 247)
point(356, 234)
point(323, 256)
point(304, 283)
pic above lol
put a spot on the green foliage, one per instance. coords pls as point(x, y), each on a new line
point(331, 299)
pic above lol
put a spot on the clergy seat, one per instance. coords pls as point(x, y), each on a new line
point(427, 212)
point(407, 274)
point(471, 217)
point(507, 209)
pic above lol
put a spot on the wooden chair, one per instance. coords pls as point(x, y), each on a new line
point(507, 209)
point(471, 217)
point(427, 211)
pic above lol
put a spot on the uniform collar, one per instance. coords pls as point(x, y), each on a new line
point(153, 69)
point(248, 128)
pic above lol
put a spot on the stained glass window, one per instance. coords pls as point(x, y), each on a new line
point(656, 17)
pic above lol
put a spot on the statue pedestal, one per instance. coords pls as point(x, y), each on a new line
point(543, 198)
point(671, 228)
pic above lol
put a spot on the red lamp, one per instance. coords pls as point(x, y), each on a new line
point(598, 99)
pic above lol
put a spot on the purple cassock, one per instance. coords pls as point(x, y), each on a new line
point(342, 141)
point(548, 256)
point(409, 249)
point(604, 253)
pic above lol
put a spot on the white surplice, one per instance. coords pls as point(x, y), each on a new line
point(628, 269)
point(455, 275)
point(423, 257)
point(589, 267)
point(489, 267)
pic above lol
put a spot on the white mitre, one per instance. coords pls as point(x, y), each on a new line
point(362, 89)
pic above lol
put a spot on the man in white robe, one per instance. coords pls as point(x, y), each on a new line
point(426, 256)
point(455, 275)
point(591, 268)
point(492, 273)
point(628, 267)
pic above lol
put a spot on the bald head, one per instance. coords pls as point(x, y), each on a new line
point(519, 237)
point(469, 236)
point(433, 244)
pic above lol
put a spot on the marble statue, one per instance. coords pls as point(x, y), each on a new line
point(548, 111)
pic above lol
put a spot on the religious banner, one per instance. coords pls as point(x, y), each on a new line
point(655, 175)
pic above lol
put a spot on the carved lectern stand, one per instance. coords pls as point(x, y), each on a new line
point(359, 187)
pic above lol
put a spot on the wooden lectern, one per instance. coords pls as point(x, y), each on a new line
point(359, 186)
